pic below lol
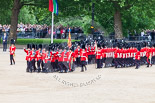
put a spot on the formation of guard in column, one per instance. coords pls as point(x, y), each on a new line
point(60, 58)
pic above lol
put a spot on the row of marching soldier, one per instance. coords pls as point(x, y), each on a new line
point(43, 58)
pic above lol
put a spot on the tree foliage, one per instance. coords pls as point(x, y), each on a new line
point(135, 14)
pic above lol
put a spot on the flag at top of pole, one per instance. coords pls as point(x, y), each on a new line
point(53, 6)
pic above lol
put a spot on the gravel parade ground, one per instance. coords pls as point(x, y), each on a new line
point(106, 85)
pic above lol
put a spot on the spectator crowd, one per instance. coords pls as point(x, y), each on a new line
point(144, 35)
point(40, 31)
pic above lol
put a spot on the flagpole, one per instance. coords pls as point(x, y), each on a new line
point(52, 28)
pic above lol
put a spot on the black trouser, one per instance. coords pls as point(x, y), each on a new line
point(102, 61)
point(116, 62)
point(33, 65)
point(12, 59)
point(78, 62)
point(149, 62)
point(108, 61)
point(153, 60)
point(73, 66)
point(66, 66)
point(38, 65)
point(53, 66)
point(4, 46)
point(48, 67)
point(60, 65)
point(137, 63)
point(83, 65)
point(93, 59)
point(42, 65)
point(57, 65)
point(89, 59)
point(29, 67)
point(99, 63)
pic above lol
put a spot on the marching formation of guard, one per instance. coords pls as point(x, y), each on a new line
point(59, 58)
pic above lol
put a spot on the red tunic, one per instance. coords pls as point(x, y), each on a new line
point(77, 52)
point(53, 58)
point(47, 57)
point(66, 56)
point(61, 57)
point(92, 50)
point(27, 54)
point(12, 50)
point(99, 54)
point(73, 56)
point(116, 55)
point(43, 54)
point(83, 55)
point(38, 55)
point(103, 53)
point(89, 51)
point(32, 55)
point(137, 56)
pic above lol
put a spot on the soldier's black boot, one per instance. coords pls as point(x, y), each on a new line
point(10, 62)
point(137, 67)
point(148, 65)
point(82, 69)
point(39, 70)
point(85, 68)
point(27, 69)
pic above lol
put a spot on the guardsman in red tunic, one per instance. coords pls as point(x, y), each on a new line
point(109, 57)
point(153, 54)
point(143, 55)
point(27, 51)
point(137, 59)
point(117, 57)
point(47, 61)
point(60, 60)
point(66, 60)
point(43, 57)
point(103, 50)
point(32, 59)
point(77, 55)
point(88, 49)
point(39, 58)
point(130, 57)
point(84, 59)
point(99, 56)
point(93, 54)
point(52, 53)
point(12, 53)
point(56, 60)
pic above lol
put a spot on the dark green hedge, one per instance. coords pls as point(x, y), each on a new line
point(40, 41)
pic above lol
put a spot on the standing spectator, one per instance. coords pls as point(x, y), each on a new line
point(4, 38)
point(142, 35)
point(152, 34)
point(0, 32)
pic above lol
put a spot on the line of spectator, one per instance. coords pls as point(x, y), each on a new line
point(62, 32)
point(144, 35)
point(40, 31)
